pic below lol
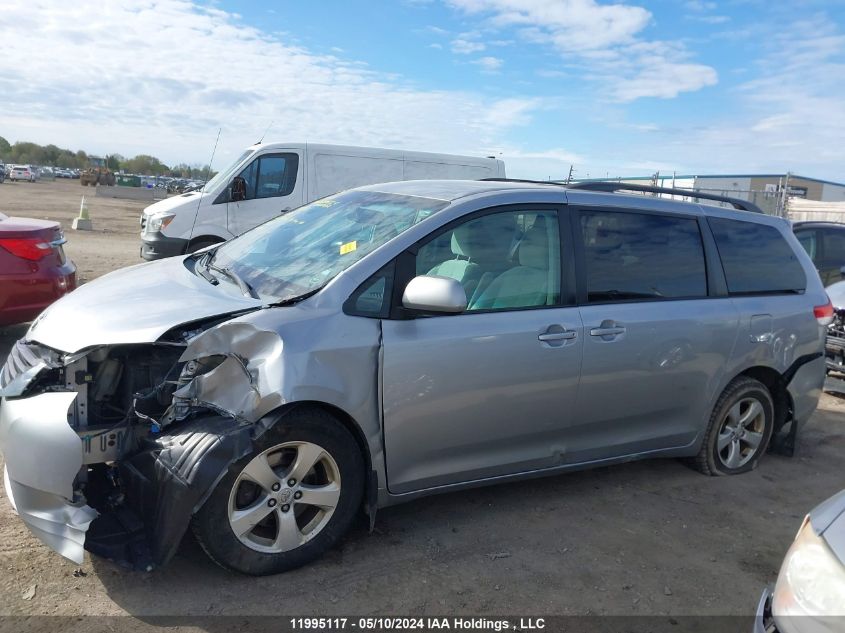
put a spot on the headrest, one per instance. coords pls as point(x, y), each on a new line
point(489, 236)
point(534, 248)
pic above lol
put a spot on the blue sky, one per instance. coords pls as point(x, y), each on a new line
point(625, 88)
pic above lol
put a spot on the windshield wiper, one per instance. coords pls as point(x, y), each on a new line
point(292, 300)
point(201, 269)
point(246, 289)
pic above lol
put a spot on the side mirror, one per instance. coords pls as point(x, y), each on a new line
point(430, 293)
point(238, 189)
point(842, 272)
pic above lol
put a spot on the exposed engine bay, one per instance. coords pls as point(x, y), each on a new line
point(154, 434)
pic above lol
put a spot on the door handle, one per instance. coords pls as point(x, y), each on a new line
point(607, 331)
point(557, 336)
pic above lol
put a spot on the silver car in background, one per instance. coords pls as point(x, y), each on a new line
point(400, 340)
point(809, 596)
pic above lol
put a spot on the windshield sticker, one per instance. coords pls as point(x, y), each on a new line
point(348, 247)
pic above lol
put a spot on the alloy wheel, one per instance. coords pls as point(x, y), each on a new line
point(741, 433)
point(284, 497)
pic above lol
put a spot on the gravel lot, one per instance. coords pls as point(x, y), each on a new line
point(645, 538)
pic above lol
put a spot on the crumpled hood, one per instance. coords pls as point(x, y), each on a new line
point(133, 305)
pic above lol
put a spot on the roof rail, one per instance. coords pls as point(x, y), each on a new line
point(613, 187)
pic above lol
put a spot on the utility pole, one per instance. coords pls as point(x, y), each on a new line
point(569, 177)
point(784, 197)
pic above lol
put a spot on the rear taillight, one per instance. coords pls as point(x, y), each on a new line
point(31, 249)
point(824, 313)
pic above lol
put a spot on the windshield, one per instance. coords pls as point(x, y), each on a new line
point(301, 251)
point(223, 176)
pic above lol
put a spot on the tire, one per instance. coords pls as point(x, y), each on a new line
point(739, 429)
point(263, 548)
point(200, 244)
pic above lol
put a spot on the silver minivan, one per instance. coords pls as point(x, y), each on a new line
point(399, 340)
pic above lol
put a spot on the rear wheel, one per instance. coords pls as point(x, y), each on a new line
point(739, 431)
point(287, 502)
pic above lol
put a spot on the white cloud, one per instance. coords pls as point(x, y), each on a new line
point(790, 117)
point(570, 24)
point(465, 47)
point(488, 64)
point(665, 81)
point(547, 164)
point(710, 19)
point(699, 5)
point(467, 43)
point(603, 39)
point(160, 77)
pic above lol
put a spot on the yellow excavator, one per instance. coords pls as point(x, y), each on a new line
point(97, 173)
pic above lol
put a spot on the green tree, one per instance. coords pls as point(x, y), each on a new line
point(114, 161)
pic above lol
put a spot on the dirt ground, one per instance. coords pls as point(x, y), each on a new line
point(644, 538)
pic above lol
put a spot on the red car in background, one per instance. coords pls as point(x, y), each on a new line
point(34, 270)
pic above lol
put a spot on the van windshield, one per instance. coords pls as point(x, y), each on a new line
point(301, 251)
point(226, 174)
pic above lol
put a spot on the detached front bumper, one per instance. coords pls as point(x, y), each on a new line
point(165, 479)
point(43, 457)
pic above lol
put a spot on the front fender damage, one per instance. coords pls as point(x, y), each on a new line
point(246, 383)
point(220, 408)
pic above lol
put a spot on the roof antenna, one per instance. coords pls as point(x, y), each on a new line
point(261, 140)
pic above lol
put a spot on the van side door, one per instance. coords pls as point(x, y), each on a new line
point(657, 335)
point(273, 185)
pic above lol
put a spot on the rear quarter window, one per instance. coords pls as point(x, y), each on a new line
point(756, 258)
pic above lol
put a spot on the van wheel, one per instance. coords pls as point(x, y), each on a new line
point(739, 430)
point(200, 244)
point(288, 501)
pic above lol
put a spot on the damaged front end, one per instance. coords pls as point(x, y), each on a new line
point(115, 447)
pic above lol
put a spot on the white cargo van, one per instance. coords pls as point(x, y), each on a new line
point(272, 178)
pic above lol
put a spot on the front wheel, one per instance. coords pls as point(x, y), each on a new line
point(739, 430)
point(287, 502)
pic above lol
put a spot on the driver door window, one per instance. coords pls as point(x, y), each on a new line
point(270, 176)
point(503, 260)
